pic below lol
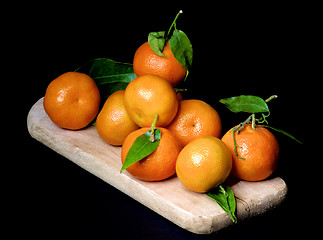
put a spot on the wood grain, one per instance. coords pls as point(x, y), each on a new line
point(169, 198)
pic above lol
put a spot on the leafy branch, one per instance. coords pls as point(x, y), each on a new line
point(251, 104)
point(180, 44)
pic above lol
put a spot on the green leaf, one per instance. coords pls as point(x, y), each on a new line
point(157, 42)
point(141, 148)
point(246, 103)
point(224, 196)
point(283, 132)
point(110, 76)
point(181, 48)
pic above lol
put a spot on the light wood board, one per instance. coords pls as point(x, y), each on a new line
point(169, 198)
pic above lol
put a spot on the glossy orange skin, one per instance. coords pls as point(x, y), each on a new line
point(146, 61)
point(260, 149)
point(195, 118)
point(160, 164)
point(150, 95)
point(203, 164)
point(72, 100)
point(113, 122)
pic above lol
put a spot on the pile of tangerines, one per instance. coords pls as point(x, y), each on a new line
point(190, 143)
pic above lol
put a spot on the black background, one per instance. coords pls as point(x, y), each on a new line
point(259, 49)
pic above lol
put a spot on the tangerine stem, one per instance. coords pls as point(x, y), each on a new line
point(244, 123)
point(235, 143)
point(271, 98)
point(152, 129)
point(253, 121)
point(174, 23)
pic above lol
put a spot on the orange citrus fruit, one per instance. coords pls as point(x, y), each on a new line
point(146, 61)
point(195, 118)
point(260, 151)
point(150, 95)
point(158, 165)
point(203, 164)
point(113, 122)
point(72, 100)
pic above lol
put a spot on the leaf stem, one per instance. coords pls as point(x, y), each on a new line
point(244, 123)
point(234, 141)
point(253, 121)
point(152, 129)
point(271, 98)
point(174, 23)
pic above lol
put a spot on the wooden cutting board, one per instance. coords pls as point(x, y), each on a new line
point(169, 198)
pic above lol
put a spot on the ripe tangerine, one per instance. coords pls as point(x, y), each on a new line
point(146, 61)
point(195, 118)
point(150, 95)
point(113, 122)
point(203, 164)
point(260, 151)
point(160, 164)
point(72, 100)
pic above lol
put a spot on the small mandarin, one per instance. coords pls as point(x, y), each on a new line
point(260, 151)
point(72, 100)
point(195, 118)
point(160, 164)
point(203, 164)
point(146, 61)
point(113, 122)
point(150, 95)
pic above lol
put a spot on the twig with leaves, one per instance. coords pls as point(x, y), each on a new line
point(251, 104)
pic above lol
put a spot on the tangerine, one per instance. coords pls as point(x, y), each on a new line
point(150, 95)
point(260, 151)
point(146, 61)
point(72, 100)
point(158, 165)
point(113, 122)
point(195, 118)
point(203, 164)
